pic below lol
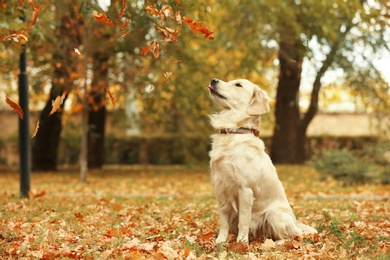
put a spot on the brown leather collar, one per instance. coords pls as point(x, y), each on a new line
point(240, 130)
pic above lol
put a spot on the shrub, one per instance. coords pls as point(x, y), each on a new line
point(342, 165)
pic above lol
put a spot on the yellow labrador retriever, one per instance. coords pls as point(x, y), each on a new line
point(250, 196)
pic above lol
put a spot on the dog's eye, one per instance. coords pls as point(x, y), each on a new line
point(238, 85)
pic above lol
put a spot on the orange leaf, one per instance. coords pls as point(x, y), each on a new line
point(122, 11)
point(123, 26)
point(125, 34)
point(169, 34)
point(35, 130)
point(178, 17)
point(151, 9)
point(56, 104)
point(112, 98)
point(199, 27)
point(14, 106)
point(16, 36)
point(36, 10)
point(154, 48)
point(102, 18)
point(178, 2)
point(238, 247)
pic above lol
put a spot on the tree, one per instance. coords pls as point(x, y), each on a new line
point(298, 26)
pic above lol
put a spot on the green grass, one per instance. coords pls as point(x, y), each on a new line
point(157, 212)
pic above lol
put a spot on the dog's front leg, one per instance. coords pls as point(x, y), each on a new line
point(245, 202)
point(223, 226)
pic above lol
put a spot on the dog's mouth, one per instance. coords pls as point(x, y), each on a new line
point(215, 93)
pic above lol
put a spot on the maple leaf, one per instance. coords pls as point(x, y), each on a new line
point(35, 130)
point(14, 106)
point(102, 18)
point(36, 10)
point(122, 11)
point(56, 104)
point(154, 48)
point(199, 27)
point(112, 98)
point(16, 36)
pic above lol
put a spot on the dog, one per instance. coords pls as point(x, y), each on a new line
point(250, 196)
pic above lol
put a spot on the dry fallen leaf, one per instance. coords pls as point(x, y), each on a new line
point(14, 106)
point(238, 247)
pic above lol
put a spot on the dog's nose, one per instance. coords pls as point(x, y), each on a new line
point(214, 82)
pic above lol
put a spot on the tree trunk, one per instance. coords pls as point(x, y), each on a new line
point(286, 139)
point(97, 112)
point(46, 142)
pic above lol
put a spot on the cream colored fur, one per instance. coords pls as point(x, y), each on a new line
point(250, 197)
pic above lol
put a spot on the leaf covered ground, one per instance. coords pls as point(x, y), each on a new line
point(171, 213)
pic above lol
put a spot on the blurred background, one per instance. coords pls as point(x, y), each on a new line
point(326, 65)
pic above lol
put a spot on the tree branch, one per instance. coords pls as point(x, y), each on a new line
point(313, 107)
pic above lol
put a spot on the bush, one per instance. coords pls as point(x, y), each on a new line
point(343, 165)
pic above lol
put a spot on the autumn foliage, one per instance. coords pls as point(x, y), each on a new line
point(171, 213)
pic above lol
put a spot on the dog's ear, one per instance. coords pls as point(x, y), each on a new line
point(259, 104)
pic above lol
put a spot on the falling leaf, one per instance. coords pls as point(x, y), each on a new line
point(16, 36)
point(77, 51)
point(56, 104)
point(198, 27)
point(122, 11)
point(178, 2)
point(36, 10)
point(112, 98)
point(125, 34)
point(102, 18)
point(170, 35)
point(35, 130)
point(123, 25)
point(165, 12)
point(178, 17)
point(154, 48)
point(14, 106)
point(167, 74)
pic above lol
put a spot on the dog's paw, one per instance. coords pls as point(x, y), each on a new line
point(221, 239)
point(243, 238)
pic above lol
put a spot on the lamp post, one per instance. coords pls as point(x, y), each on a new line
point(24, 132)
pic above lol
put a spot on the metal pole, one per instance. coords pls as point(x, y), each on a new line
point(24, 132)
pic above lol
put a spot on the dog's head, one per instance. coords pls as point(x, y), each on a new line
point(240, 94)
